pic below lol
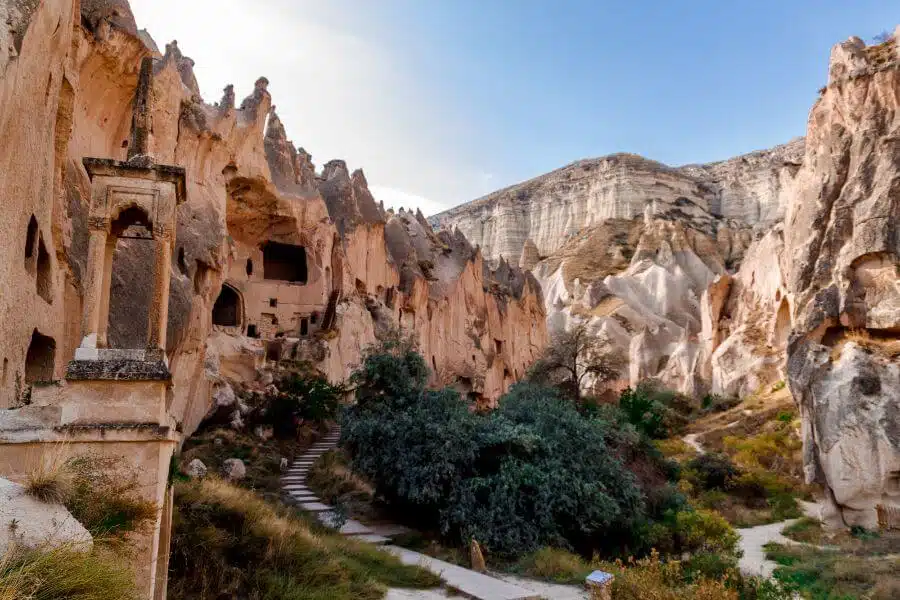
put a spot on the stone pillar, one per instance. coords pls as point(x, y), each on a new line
point(93, 288)
point(105, 293)
point(159, 306)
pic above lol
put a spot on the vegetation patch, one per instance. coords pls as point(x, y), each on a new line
point(827, 574)
point(105, 497)
point(229, 542)
point(63, 574)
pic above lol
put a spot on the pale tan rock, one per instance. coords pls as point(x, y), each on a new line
point(843, 255)
point(27, 522)
point(550, 209)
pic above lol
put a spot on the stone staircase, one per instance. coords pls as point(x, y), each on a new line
point(474, 584)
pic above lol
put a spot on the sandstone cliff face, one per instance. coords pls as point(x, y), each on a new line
point(639, 284)
point(843, 240)
point(547, 210)
point(66, 91)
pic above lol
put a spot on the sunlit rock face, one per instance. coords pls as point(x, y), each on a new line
point(546, 211)
point(67, 84)
point(843, 243)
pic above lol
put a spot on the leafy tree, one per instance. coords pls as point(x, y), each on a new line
point(653, 410)
point(573, 356)
point(532, 473)
point(301, 397)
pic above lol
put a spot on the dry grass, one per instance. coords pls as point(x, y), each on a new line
point(332, 479)
point(652, 579)
point(63, 574)
point(106, 497)
point(889, 347)
point(229, 542)
point(49, 479)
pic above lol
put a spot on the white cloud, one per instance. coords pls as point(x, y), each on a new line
point(397, 199)
point(339, 94)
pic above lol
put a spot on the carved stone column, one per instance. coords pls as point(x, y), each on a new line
point(93, 288)
point(159, 306)
point(103, 325)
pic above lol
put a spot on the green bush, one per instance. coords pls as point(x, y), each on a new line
point(533, 473)
point(718, 403)
point(713, 471)
point(654, 411)
point(300, 398)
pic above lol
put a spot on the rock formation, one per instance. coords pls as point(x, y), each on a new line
point(843, 240)
point(546, 211)
point(780, 264)
point(254, 203)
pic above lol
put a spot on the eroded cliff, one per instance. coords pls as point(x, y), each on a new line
point(272, 260)
point(546, 211)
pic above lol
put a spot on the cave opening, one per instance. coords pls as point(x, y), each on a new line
point(40, 358)
point(30, 239)
point(284, 262)
point(228, 308)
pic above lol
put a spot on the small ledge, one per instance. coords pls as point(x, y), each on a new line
point(118, 369)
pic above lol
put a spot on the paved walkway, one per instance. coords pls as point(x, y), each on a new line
point(476, 585)
point(754, 539)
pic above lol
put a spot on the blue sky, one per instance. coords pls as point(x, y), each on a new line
point(443, 101)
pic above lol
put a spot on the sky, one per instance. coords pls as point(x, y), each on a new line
point(443, 101)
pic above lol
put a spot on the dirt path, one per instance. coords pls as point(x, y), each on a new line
point(753, 540)
point(691, 440)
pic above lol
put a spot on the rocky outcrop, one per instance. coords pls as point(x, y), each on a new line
point(638, 284)
point(546, 211)
point(66, 93)
point(27, 522)
point(843, 240)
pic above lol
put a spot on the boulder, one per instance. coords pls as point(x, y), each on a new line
point(234, 469)
point(27, 522)
point(195, 469)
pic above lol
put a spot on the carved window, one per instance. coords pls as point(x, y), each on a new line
point(284, 262)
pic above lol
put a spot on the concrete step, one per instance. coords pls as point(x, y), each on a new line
point(476, 585)
point(315, 507)
point(372, 538)
point(350, 526)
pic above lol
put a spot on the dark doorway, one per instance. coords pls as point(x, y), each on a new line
point(304, 327)
point(40, 358)
point(284, 262)
point(30, 239)
point(249, 267)
point(227, 309)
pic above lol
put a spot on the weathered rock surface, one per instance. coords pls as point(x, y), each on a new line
point(29, 523)
point(843, 243)
point(66, 93)
point(234, 469)
point(548, 210)
point(196, 469)
point(638, 284)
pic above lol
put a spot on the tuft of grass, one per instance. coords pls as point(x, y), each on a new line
point(63, 574)
point(806, 530)
point(105, 497)
point(652, 579)
point(50, 480)
point(555, 564)
point(228, 541)
point(332, 479)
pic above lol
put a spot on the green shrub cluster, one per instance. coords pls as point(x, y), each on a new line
point(300, 398)
point(534, 472)
point(655, 411)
